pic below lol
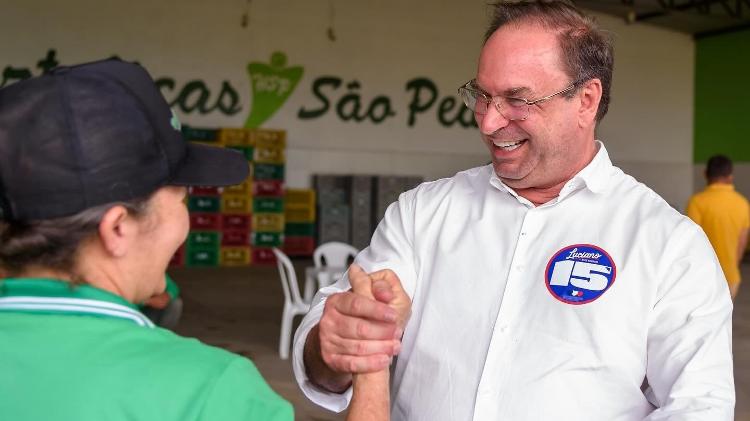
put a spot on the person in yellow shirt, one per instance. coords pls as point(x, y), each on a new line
point(724, 215)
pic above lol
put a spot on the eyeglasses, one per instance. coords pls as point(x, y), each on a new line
point(509, 107)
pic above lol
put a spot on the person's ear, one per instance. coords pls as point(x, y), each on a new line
point(591, 95)
point(117, 231)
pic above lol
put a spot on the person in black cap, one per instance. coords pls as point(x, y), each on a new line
point(93, 171)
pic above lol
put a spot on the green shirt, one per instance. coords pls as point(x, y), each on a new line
point(172, 289)
point(81, 353)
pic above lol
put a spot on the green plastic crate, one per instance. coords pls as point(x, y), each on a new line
point(204, 239)
point(300, 229)
point(204, 204)
point(202, 135)
point(268, 205)
point(268, 171)
point(268, 239)
point(202, 256)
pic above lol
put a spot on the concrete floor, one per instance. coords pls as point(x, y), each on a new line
point(239, 309)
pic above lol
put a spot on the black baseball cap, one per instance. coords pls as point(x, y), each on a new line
point(95, 133)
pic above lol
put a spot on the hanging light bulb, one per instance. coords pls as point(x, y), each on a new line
point(245, 20)
point(331, 14)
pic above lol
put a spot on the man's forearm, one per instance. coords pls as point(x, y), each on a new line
point(318, 371)
point(371, 398)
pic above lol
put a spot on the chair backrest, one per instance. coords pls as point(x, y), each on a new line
point(288, 277)
point(334, 253)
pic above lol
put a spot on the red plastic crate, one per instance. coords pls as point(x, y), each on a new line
point(178, 258)
point(298, 246)
point(236, 221)
point(205, 221)
point(235, 238)
point(268, 188)
point(204, 191)
point(263, 256)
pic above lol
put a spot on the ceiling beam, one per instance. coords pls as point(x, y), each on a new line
point(731, 8)
point(722, 31)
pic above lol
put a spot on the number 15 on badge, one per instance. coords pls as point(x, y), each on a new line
point(579, 273)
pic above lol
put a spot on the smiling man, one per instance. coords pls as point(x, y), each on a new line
point(548, 285)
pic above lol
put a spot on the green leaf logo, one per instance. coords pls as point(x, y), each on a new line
point(272, 84)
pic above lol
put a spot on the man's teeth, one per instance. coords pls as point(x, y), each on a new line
point(508, 146)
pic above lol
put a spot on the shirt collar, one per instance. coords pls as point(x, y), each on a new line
point(720, 186)
point(51, 296)
point(594, 176)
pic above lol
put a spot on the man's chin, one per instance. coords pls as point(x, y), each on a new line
point(511, 176)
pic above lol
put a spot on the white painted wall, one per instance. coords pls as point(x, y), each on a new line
point(649, 129)
point(380, 44)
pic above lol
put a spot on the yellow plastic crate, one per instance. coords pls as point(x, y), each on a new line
point(233, 137)
point(269, 155)
point(271, 139)
point(299, 213)
point(242, 189)
point(235, 256)
point(300, 197)
point(236, 204)
point(268, 222)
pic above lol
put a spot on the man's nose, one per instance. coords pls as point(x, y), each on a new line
point(492, 121)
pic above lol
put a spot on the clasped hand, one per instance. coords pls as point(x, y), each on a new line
point(360, 334)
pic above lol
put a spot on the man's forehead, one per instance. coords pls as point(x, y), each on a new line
point(517, 58)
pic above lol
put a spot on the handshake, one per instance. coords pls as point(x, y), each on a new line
point(360, 330)
point(356, 339)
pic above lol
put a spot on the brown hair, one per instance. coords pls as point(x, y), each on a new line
point(53, 243)
point(587, 51)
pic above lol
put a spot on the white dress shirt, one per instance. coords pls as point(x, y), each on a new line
point(555, 312)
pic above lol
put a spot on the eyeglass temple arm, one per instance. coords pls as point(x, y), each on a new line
point(571, 86)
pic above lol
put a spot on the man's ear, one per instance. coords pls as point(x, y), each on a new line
point(116, 231)
point(591, 95)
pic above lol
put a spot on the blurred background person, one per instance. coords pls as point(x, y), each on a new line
point(724, 215)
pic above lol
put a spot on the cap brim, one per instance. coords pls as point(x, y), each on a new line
point(211, 166)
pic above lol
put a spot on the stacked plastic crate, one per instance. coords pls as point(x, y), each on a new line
point(334, 212)
point(361, 205)
point(204, 204)
point(238, 225)
point(351, 206)
point(236, 205)
point(268, 194)
point(299, 234)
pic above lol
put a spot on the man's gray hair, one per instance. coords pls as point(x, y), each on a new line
point(587, 51)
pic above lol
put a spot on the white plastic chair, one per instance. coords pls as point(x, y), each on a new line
point(293, 303)
point(331, 260)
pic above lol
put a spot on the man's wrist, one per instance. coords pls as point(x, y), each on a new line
point(318, 372)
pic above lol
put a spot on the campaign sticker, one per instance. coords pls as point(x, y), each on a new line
point(579, 274)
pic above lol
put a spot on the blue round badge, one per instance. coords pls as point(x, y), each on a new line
point(579, 274)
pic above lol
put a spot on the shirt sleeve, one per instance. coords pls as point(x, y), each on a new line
point(240, 393)
point(690, 335)
point(391, 247)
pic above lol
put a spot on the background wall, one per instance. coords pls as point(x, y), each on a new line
point(722, 100)
point(379, 48)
